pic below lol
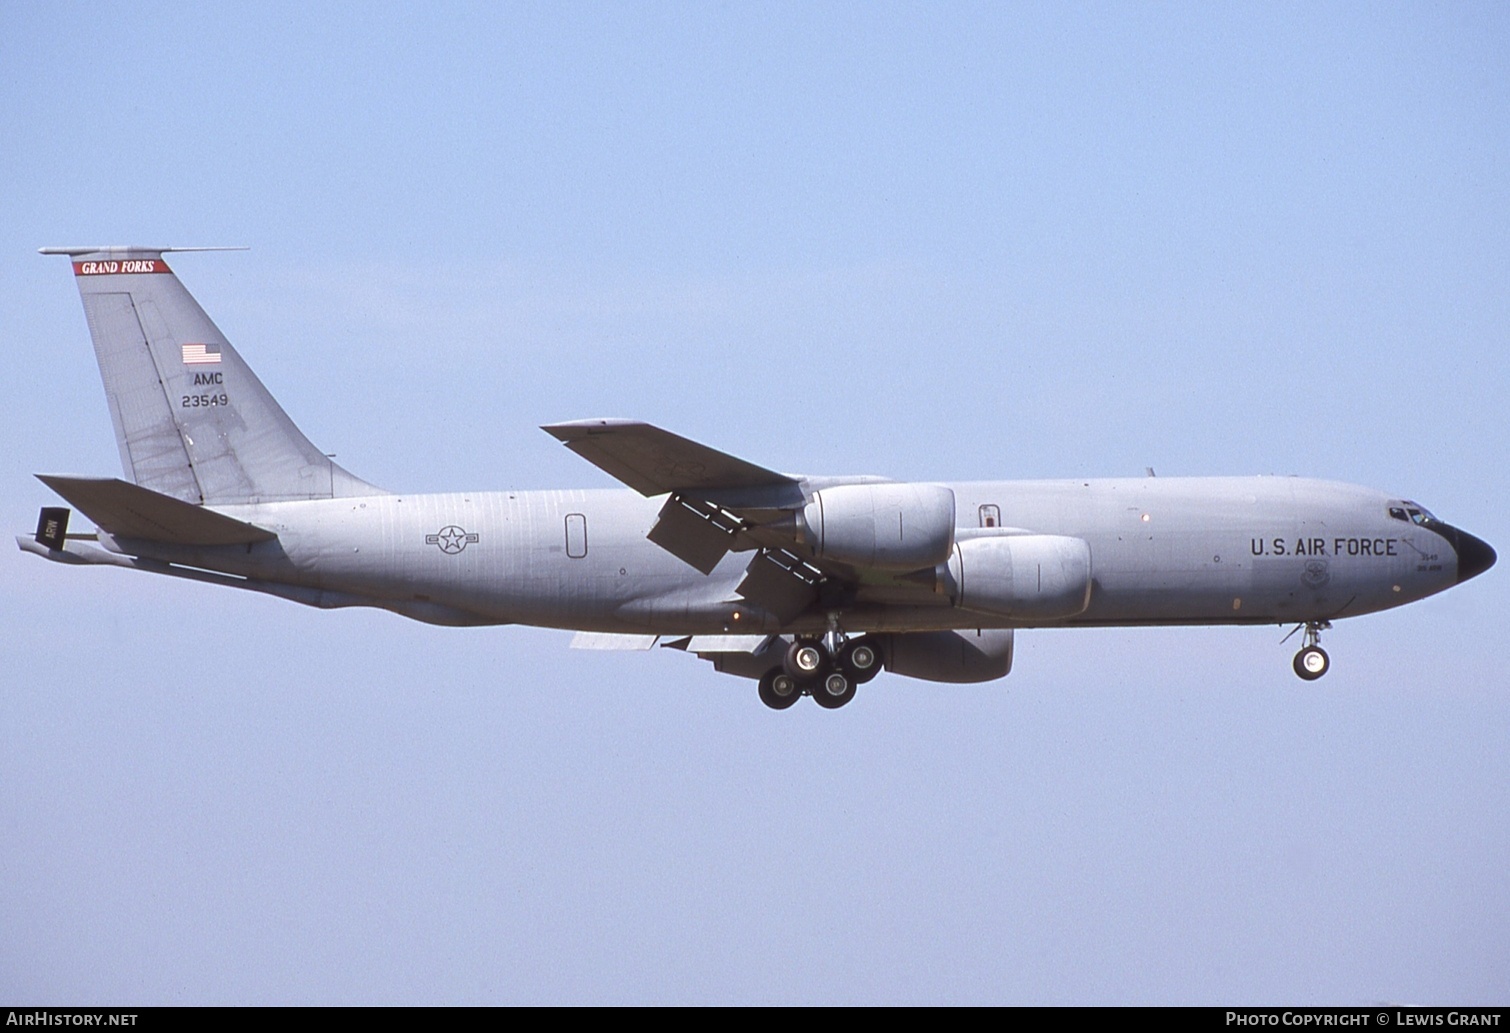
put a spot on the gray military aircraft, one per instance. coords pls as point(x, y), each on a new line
point(810, 585)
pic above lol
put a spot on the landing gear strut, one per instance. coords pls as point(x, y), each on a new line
point(1312, 662)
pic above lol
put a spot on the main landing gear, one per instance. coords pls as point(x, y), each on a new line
point(1312, 662)
point(828, 669)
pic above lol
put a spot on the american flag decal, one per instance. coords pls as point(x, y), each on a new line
point(201, 354)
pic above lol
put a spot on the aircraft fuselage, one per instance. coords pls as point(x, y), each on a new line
point(1240, 550)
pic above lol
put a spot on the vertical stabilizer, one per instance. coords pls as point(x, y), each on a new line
point(191, 418)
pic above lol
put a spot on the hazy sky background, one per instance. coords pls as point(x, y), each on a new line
point(930, 241)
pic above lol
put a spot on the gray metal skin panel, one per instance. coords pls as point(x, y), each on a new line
point(1210, 551)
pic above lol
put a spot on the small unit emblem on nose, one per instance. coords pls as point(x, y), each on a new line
point(1316, 574)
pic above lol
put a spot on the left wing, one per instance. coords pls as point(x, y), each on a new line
point(654, 462)
point(718, 503)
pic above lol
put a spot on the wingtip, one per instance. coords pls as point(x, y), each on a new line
point(570, 430)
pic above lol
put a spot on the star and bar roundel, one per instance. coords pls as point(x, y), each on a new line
point(451, 539)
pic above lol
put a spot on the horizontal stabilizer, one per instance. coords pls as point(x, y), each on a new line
point(653, 461)
point(129, 511)
point(123, 250)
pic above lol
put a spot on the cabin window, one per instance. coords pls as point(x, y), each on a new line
point(576, 535)
point(990, 516)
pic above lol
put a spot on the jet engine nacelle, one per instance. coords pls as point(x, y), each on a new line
point(950, 656)
point(885, 526)
point(1028, 577)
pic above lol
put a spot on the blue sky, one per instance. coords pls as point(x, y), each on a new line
point(928, 241)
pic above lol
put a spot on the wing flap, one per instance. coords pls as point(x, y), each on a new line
point(780, 584)
point(693, 533)
point(612, 640)
point(131, 511)
point(747, 645)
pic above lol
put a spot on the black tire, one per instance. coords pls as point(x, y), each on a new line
point(806, 658)
point(779, 690)
point(824, 694)
point(1312, 662)
point(860, 659)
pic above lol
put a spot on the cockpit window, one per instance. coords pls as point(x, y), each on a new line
point(1419, 514)
point(1412, 512)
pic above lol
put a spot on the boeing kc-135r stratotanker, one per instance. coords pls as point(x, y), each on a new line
point(808, 584)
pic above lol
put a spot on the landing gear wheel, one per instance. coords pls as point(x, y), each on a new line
point(1312, 662)
point(779, 690)
point(833, 690)
point(805, 659)
point(860, 660)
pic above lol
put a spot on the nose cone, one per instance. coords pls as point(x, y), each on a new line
point(1474, 555)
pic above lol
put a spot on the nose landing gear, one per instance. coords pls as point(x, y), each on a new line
point(1312, 662)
